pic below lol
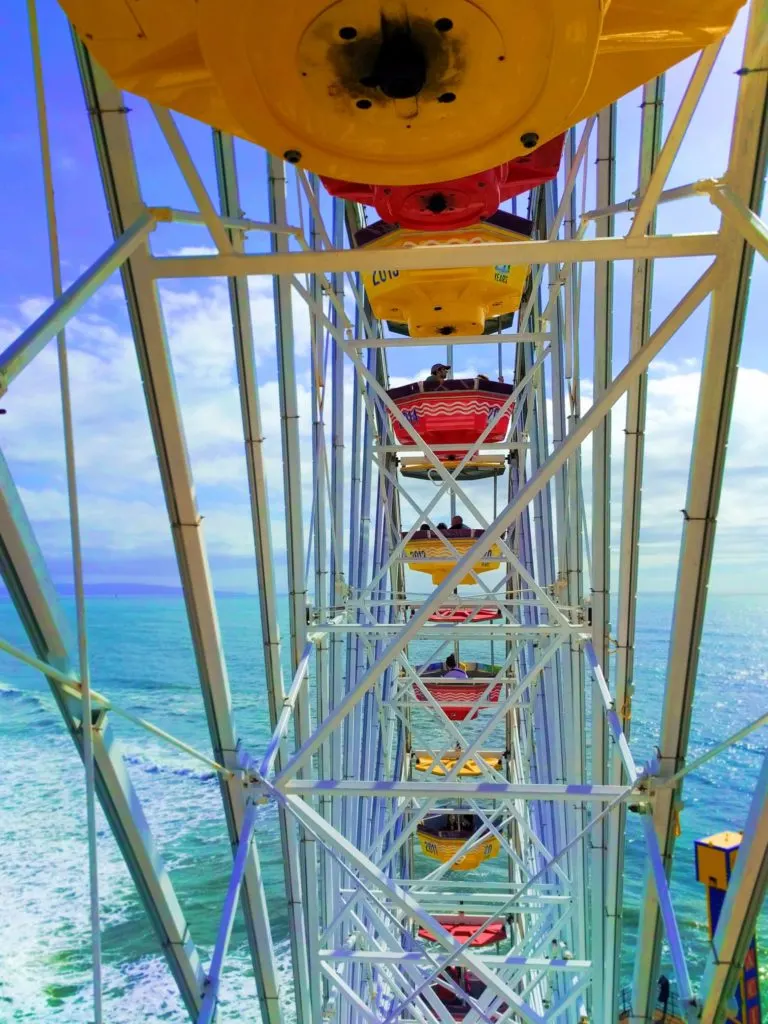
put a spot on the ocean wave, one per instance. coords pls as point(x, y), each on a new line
point(152, 767)
point(41, 703)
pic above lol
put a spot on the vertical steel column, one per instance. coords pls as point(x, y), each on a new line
point(601, 543)
point(546, 762)
point(242, 324)
point(642, 283)
point(118, 171)
point(352, 750)
point(336, 596)
point(289, 423)
point(368, 726)
point(566, 726)
point(74, 520)
point(294, 525)
point(745, 175)
point(319, 485)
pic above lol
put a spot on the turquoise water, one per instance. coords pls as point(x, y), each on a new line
point(141, 657)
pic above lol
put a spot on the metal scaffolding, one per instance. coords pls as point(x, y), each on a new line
point(540, 757)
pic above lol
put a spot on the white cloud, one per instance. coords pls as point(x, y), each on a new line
point(742, 525)
point(123, 508)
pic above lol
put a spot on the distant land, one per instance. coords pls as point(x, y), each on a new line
point(128, 589)
point(137, 590)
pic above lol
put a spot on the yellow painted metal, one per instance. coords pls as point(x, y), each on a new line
point(443, 849)
point(716, 858)
point(479, 468)
point(433, 302)
point(658, 1015)
point(431, 556)
point(323, 81)
point(470, 770)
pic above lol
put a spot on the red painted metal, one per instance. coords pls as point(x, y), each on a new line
point(469, 692)
point(457, 413)
point(465, 614)
point(446, 205)
point(494, 932)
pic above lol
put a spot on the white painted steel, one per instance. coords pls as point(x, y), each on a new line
point(350, 801)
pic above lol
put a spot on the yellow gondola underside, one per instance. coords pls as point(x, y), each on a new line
point(431, 556)
point(443, 849)
point(433, 302)
point(321, 83)
point(469, 770)
point(480, 467)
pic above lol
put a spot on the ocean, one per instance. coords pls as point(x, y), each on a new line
point(141, 657)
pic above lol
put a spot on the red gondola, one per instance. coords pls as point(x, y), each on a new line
point(457, 413)
point(461, 928)
point(456, 696)
point(465, 615)
point(447, 205)
point(468, 983)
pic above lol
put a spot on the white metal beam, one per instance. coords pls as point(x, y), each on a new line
point(636, 365)
point(446, 257)
point(745, 176)
point(118, 171)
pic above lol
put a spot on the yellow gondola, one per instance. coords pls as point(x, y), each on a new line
point(471, 769)
point(394, 92)
point(481, 467)
point(459, 301)
point(442, 834)
point(426, 553)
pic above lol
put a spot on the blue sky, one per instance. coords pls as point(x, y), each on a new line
point(124, 526)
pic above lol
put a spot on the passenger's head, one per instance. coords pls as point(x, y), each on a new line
point(442, 526)
point(450, 661)
point(440, 370)
point(456, 522)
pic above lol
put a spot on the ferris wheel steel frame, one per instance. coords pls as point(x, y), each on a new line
point(340, 772)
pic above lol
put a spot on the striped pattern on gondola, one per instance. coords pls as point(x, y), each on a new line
point(453, 417)
point(447, 696)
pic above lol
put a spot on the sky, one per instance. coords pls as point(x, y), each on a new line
point(125, 530)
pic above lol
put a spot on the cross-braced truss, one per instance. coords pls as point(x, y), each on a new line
point(367, 743)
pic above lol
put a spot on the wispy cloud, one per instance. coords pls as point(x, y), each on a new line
point(124, 518)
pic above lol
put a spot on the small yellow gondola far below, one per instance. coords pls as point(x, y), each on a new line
point(425, 763)
point(393, 92)
point(425, 552)
point(459, 301)
point(443, 833)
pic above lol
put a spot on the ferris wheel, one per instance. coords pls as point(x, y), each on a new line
point(450, 757)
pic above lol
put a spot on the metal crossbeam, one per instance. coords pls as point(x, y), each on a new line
point(360, 886)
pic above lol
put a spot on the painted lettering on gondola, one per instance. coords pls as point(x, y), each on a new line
point(382, 276)
point(417, 553)
point(411, 415)
point(501, 273)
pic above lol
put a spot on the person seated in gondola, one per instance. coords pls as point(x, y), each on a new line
point(457, 523)
point(452, 670)
point(437, 376)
